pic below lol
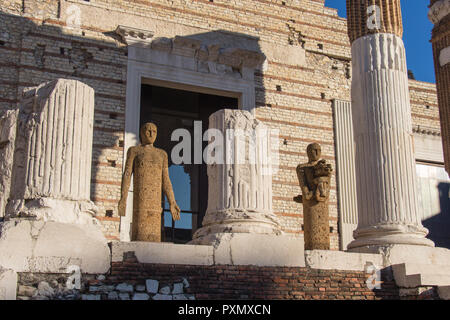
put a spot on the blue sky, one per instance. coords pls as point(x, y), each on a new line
point(416, 35)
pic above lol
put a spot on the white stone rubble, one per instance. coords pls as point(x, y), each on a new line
point(152, 286)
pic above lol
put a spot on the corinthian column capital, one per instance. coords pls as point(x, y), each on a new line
point(439, 9)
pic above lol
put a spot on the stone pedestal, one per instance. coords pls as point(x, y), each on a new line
point(8, 284)
point(385, 166)
point(52, 247)
point(316, 225)
point(239, 179)
point(50, 221)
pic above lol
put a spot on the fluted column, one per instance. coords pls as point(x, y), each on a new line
point(239, 179)
point(385, 165)
point(439, 15)
point(53, 152)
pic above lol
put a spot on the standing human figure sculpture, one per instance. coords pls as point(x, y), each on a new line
point(149, 167)
point(314, 179)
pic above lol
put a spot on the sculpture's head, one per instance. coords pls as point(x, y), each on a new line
point(314, 151)
point(148, 133)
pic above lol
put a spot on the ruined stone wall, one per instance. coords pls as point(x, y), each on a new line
point(130, 280)
point(37, 45)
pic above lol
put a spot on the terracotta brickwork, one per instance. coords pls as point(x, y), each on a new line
point(390, 17)
point(295, 98)
point(441, 40)
point(252, 282)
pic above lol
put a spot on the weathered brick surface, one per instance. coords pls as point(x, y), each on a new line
point(37, 46)
point(252, 282)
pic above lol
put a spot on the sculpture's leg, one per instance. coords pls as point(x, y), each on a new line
point(146, 226)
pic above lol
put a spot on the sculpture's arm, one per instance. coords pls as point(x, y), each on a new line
point(302, 182)
point(168, 190)
point(126, 179)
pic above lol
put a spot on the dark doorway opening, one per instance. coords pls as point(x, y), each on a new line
point(172, 109)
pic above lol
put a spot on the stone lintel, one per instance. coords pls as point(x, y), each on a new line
point(132, 35)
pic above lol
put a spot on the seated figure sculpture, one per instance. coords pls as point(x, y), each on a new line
point(149, 167)
point(314, 179)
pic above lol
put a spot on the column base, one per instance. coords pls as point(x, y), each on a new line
point(388, 235)
point(215, 224)
point(49, 209)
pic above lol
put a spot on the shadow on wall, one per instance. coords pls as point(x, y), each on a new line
point(439, 225)
point(34, 53)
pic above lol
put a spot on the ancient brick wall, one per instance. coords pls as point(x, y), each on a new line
point(37, 45)
point(252, 282)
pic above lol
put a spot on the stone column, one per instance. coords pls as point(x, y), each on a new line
point(346, 177)
point(240, 181)
point(439, 14)
point(53, 151)
point(8, 122)
point(385, 166)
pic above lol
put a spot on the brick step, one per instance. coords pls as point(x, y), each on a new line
point(409, 275)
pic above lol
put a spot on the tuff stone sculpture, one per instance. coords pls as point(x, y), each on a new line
point(149, 167)
point(314, 179)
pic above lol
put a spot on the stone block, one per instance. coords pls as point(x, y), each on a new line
point(113, 296)
point(185, 283)
point(339, 260)
point(124, 296)
point(90, 297)
point(444, 292)
point(26, 291)
point(101, 288)
point(141, 296)
point(8, 284)
point(140, 288)
point(45, 290)
point(152, 286)
point(177, 288)
point(166, 253)
point(125, 287)
point(259, 250)
point(162, 297)
point(165, 290)
point(52, 247)
point(415, 254)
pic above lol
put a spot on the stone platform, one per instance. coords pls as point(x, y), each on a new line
point(231, 249)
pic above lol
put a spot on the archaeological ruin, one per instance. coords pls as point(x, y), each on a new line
point(212, 149)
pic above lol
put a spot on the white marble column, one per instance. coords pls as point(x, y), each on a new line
point(240, 189)
point(53, 152)
point(385, 166)
point(346, 177)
